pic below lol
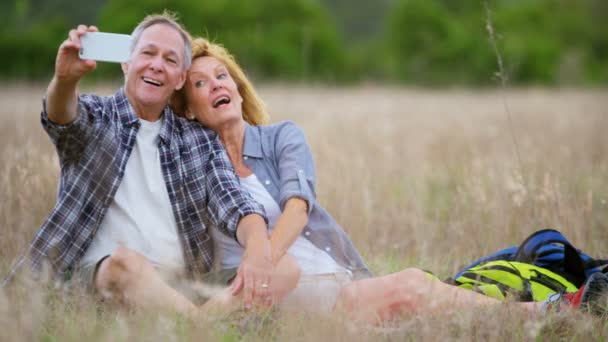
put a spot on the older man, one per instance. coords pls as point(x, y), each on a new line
point(138, 184)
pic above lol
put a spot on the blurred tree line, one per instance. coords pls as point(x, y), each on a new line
point(427, 42)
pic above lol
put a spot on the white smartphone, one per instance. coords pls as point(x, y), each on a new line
point(106, 47)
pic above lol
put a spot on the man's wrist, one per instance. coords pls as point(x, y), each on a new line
point(65, 82)
point(251, 227)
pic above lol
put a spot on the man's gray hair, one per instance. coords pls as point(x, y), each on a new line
point(169, 19)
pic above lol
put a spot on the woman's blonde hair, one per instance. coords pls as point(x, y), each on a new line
point(254, 111)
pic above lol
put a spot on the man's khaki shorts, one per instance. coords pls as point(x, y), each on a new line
point(316, 292)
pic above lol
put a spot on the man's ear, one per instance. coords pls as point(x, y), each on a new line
point(124, 67)
point(182, 80)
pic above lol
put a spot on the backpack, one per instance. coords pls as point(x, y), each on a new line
point(545, 263)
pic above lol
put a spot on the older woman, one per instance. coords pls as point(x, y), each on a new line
point(275, 165)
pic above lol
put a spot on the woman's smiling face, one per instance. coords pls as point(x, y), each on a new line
point(213, 96)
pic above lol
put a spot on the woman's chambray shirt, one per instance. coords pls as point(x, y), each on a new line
point(281, 159)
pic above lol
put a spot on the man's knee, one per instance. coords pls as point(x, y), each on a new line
point(118, 271)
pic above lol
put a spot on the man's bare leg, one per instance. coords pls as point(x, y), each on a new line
point(409, 291)
point(129, 278)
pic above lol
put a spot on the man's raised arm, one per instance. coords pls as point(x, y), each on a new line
point(61, 95)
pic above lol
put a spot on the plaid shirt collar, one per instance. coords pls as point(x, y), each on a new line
point(128, 116)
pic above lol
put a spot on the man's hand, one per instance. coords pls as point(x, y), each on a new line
point(68, 65)
point(61, 97)
point(256, 269)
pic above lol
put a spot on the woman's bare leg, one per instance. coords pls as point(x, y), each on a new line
point(409, 291)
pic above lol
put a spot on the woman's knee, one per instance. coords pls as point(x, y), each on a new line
point(287, 275)
point(412, 277)
point(396, 292)
point(288, 268)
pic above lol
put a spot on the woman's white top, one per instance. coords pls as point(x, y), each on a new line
point(311, 259)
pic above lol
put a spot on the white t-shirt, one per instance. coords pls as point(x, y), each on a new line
point(311, 259)
point(140, 217)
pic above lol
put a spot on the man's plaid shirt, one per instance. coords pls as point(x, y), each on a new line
point(93, 152)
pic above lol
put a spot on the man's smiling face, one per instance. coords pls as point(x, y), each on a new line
point(155, 69)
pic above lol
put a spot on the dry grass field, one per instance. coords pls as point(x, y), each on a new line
point(417, 178)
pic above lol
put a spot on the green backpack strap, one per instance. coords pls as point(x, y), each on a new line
point(519, 281)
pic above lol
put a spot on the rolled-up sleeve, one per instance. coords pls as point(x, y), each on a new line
point(228, 201)
point(296, 166)
point(70, 139)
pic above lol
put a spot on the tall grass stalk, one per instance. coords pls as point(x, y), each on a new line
point(502, 77)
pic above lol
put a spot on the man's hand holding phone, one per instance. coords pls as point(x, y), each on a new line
point(76, 57)
point(84, 46)
point(69, 67)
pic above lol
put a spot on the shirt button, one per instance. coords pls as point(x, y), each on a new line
point(327, 249)
point(267, 182)
point(245, 157)
point(307, 233)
